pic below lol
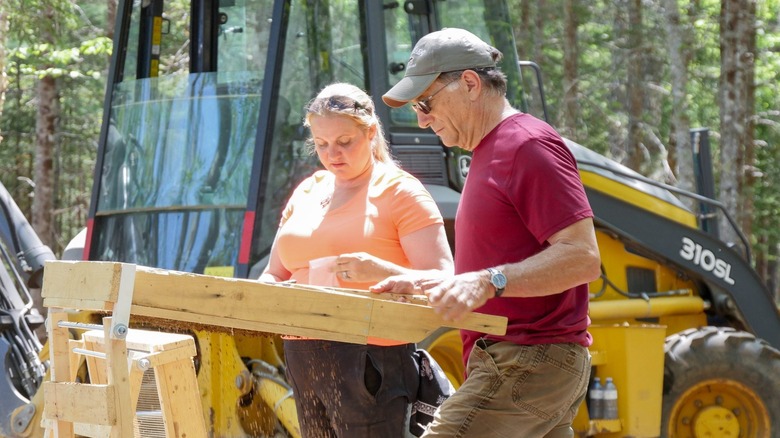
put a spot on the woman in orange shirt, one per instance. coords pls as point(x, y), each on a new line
point(365, 219)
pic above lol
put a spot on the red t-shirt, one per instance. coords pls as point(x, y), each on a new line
point(522, 187)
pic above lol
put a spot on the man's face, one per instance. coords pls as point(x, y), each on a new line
point(445, 104)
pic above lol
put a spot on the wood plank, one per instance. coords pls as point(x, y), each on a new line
point(95, 281)
point(96, 367)
point(60, 367)
point(291, 305)
point(95, 403)
point(118, 377)
point(337, 314)
point(78, 303)
point(92, 430)
point(147, 340)
point(414, 299)
point(413, 323)
point(180, 401)
point(247, 300)
point(74, 359)
point(257, 326)
point(136, 376)
point(58, 346)
point(162, 357)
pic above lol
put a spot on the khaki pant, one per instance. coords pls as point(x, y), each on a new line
point(516, 391)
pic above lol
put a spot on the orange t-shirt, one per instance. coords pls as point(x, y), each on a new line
point(392, 205)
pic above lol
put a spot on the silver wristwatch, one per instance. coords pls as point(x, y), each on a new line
point(498, 280)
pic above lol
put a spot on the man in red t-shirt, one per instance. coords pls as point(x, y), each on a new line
point(525, 247)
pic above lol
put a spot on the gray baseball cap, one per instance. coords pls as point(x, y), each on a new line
point(449, 49)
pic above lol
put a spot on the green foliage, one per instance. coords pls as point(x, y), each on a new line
point(54, 38)
point(85, 60)
point(766, 232)
point(603, 47)
point(36, 20)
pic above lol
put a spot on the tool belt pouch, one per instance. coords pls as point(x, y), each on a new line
point(434, 388)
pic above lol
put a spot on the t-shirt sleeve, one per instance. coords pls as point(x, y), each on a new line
point(288, 210)
point(413, 208)
point(546, 188)
point(303, 188)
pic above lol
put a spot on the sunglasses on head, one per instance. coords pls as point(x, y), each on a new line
point(337, 103)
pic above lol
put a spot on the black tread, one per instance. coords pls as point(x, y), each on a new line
point(706, 353)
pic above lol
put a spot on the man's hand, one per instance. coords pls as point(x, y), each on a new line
point(451, 297)
point(454, 297)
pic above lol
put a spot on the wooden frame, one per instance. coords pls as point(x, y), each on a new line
point(110, 403)
point(116, 359)
point(323, 313)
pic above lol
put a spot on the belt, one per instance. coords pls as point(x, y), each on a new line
point(485, 343)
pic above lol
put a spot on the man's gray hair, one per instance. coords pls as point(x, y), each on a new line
point(493, 79)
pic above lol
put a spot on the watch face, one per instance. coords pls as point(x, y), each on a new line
point(498, 279)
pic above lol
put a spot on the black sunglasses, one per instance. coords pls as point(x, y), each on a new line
point(424, 106)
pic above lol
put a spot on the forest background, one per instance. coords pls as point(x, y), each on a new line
point(626, 78)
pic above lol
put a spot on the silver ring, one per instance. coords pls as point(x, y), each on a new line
point(344, 275)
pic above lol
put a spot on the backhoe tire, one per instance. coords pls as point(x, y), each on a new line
point(446, 347)
point(720, 382)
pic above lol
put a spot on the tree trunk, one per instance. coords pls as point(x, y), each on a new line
point(540, 19)
point(748, 35)
point(737, 24)
point(522, 30)
point(110, 18)
point(571, 53)
point(771, 271)
point(496, 16)
point(319, 42)
point(45, 134)
point(617, 126)
point(637, 155)
point(680, 154)
point(3, 77)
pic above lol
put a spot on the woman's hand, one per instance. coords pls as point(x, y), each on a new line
point(361, 267)
point(402, 284)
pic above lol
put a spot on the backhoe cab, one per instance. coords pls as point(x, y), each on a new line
point(201, 145)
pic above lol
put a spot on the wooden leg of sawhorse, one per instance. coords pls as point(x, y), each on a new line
point(60, 366)
point(119, 377)
point(100, 405)
point(169, 357)
point(180, 399)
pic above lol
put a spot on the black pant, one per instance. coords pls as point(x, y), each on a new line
point(349, 390)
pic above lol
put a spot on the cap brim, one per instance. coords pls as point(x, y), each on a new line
point(408, 88)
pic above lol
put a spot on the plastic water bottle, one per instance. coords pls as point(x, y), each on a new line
point(610, 400)
point(596, 399)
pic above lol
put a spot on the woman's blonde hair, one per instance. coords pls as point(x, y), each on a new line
point(348, 100)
